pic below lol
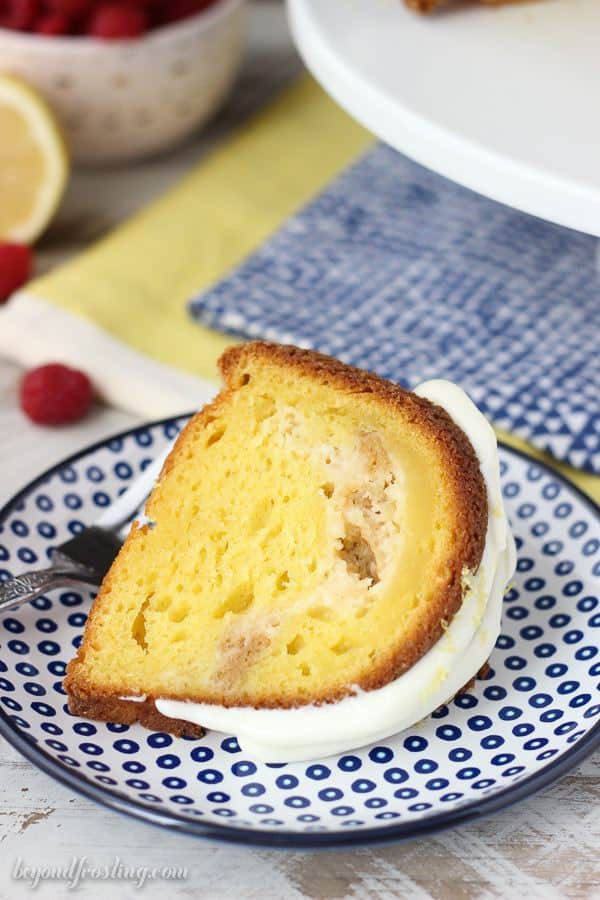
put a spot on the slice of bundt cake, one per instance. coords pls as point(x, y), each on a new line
point(312, 535)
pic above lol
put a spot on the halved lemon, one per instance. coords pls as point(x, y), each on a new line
point(34, 162)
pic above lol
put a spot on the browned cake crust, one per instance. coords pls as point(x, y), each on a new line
point(462, 472)
point(426, 6)
point(128, 712)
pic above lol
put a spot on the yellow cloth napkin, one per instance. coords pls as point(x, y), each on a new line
point(136, 282)
point(119, 309)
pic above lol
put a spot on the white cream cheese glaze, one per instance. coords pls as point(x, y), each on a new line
point(311, 731)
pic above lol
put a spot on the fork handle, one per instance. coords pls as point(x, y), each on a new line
point(23, 588)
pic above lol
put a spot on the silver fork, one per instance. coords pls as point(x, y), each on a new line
point(86, 557)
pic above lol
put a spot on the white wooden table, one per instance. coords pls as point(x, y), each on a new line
point(546, 847)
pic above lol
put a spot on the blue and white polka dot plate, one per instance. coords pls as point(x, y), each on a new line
point(534, 716)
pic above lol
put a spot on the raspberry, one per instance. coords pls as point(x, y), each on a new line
point(111, 21)
point(15, 267)
point(183, 9)
point(52, 24)
point(72, 9)
point(54, 394)
point(21, 14)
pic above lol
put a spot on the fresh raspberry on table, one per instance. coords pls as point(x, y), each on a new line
point(15, 268)
point(112, 21)
point(52, 24)
point(55, 394)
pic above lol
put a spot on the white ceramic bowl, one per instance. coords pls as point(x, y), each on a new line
point(123, 99)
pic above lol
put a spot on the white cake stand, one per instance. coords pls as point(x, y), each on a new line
point(503, 100)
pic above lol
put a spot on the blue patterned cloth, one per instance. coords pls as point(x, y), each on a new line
point(400, 271)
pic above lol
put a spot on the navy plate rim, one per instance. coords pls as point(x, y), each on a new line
point(287, 839)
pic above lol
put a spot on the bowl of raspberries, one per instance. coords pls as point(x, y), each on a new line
point(126, 78)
